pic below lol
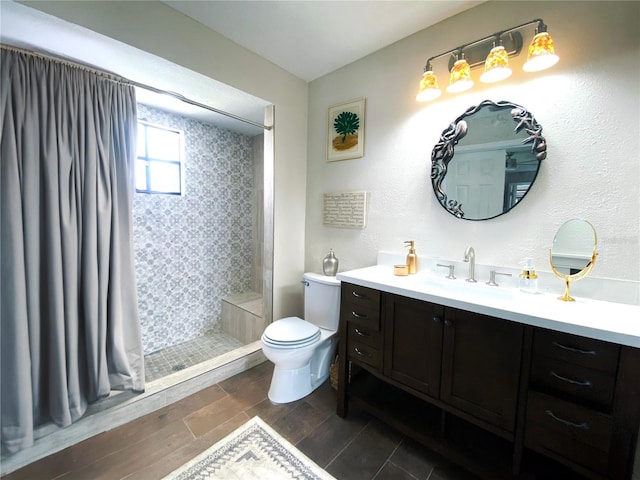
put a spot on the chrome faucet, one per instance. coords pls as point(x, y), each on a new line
point(492, 277)
point(451, 268)
point(470, 256)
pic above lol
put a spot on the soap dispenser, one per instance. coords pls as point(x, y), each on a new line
point(528, 277)
point(412, 258)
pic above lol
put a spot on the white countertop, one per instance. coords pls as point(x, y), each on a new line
point(613, 322)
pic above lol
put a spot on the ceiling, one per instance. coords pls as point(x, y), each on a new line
point(306, 38)
point(312, 38)
point(32, 29)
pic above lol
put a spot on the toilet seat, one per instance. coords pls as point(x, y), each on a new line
point(291, 332)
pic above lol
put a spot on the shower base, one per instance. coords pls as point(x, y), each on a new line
point(178, 357)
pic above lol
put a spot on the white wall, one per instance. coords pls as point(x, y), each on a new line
point(588, 106)
point(162, 31)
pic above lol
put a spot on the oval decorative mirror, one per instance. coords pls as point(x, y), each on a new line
point(573, 253)
point(486, 160)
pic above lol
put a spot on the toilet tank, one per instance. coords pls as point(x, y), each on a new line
point(322, 300)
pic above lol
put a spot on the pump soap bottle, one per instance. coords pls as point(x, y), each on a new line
point(528, 277)
point(412, 258)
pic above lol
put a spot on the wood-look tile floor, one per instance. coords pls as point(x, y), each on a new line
point(357, 447)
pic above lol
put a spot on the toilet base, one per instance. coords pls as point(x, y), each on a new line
point(290, 385)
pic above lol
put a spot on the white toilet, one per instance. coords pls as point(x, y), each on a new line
point(302, 350)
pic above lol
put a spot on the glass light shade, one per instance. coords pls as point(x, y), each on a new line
point(496, 66)
point(429, 89)
point(460, 79)
point(541, 54)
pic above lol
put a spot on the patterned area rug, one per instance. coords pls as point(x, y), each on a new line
point(253, 451)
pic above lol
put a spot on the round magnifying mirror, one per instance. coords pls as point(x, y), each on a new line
point(573, 253)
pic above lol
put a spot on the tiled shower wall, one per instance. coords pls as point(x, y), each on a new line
point(193, 250)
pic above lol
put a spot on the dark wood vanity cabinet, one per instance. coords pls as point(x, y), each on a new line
point(360, 321)
point(481, 367)
point(413, 343)
point(446, 354)
point(580, 406)
point(503, 399)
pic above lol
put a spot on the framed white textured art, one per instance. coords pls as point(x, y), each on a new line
point(345, 209)
point(345, 131)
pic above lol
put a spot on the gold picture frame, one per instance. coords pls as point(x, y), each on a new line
point(345, 130)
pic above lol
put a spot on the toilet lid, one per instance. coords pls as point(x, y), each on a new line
point(290, 346)
point(292, 331)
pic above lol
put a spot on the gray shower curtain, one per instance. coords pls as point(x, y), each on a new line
point(69, 329)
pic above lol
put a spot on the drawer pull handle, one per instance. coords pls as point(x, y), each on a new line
point(358, 315)
point(358, 295)
point(582, 426)
point(574, 350)
point(580, 383)
point(361, 353)
point(362, 334)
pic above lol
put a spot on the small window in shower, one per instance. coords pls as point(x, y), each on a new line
point(159, 160)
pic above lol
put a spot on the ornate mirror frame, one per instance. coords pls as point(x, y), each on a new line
point(574, 252)
point(444, 150)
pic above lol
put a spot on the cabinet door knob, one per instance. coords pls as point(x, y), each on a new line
point(582, 426)
point(436, 319)
point(358, 295)
point(447, 323)
point(358, 315)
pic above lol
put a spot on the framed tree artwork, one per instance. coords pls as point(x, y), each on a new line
point(345, 136)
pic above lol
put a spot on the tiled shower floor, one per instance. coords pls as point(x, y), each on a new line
point(172, 359)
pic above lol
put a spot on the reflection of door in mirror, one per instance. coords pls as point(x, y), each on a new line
point(573, 246)
point(476, 181)
point(515, 192)
point(573, 253)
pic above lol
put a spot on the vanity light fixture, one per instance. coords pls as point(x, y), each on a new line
point(460, 78)
point(496, 66)
point(429, 89)
point(500, 46)
point(542, 54)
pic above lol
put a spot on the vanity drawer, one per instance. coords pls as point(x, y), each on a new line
point(367, 317)
point(587, 352)
point(363, 353)
point(571, 431)
point(363, 334)
point(361, 296)
point(581, 383)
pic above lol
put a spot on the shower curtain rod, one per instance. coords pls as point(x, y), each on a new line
point(133, 83)
point(184, 99)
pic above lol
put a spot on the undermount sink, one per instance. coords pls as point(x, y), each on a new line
point(458, 289)
point(462, 289)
